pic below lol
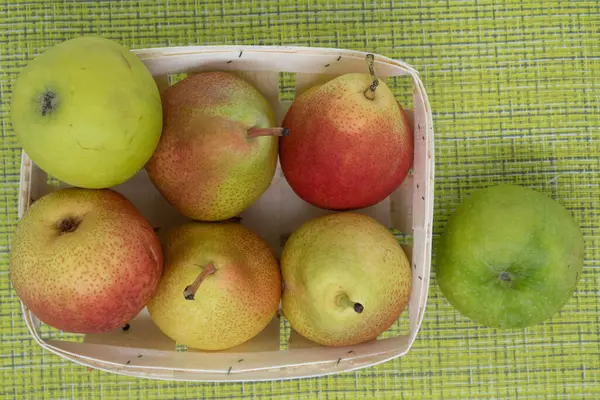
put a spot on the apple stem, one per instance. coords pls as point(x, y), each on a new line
point(344, 301)
point(255, 132)
point(190, 291)
point(370, 92)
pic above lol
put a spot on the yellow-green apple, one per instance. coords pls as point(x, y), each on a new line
point(509, 257)
point(84, 260)
point(88, 112)
point(218, 150)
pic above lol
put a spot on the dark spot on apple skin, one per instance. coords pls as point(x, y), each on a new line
point(48, 102)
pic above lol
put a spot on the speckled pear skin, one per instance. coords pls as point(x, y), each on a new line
point(93, 279)
point(343, 253)
point(233, 304)
point(205, 165)
point(345, 151)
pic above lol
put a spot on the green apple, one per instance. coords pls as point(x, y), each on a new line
point(88, 112)
point(509, 257)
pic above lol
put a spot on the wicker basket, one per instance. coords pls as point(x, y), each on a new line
point(143, 351)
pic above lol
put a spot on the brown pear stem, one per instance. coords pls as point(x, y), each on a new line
point(190, 291)
point(370, 92)
point(344, 301)
point(255, 132)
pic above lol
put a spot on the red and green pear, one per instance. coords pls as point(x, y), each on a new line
point(85, 261)
point(218, 150)
point(349, 146)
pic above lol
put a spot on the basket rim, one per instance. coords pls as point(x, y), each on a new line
point(148, 54)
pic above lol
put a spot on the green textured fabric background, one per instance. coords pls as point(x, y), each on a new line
point(514, 87)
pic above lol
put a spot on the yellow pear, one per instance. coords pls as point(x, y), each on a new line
point(346, 279)
point(221, 285)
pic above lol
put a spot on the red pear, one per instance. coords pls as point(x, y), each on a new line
point(350, 143)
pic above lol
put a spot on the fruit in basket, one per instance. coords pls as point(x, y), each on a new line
point(509, 257)
point(218, 150)
point(348, 147)
point(84, 260)
point(221, 285)
point(87, 112)
point(346, 279)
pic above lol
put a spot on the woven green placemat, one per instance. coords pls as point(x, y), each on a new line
point(514, 87)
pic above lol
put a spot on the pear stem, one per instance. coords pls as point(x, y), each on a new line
point(370, 92)
point(190, 291)
point(344, 301)
point(255, 132)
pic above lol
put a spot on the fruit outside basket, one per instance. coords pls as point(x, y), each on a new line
point(142, 350)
